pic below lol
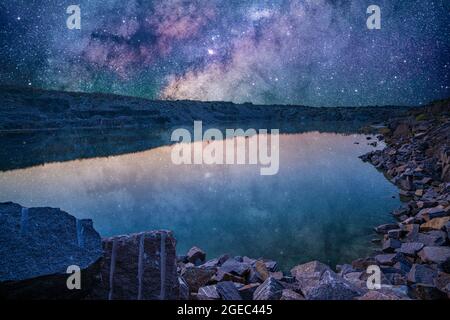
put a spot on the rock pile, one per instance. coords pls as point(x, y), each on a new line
point(417, 160)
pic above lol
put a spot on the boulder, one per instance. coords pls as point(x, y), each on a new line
point(235, 267)
point(432, 213)
point(141, 266)
point(271, 289)
point(208, 293)
point(318, 282)
point(431, 238)
point(330, 287)
point(288, 294)
point(228, 291)
point(422, 274)
point(38, 245)
point(197, 277)
point(435, 224)
point(436, 255)
point(410, 248)
point(196, 256)
point(387, 259)
point(261, 270)
point(216, 262)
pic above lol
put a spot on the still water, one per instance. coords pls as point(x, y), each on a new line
point(322, 204)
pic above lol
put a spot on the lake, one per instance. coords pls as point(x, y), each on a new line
point(322, 204)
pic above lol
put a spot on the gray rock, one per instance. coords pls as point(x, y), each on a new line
point(288, 294)
point(196, 256)
point(37, 247)
point(208, 293)
point(141, 266)
point(331, 287)
point(228, 291)
point(386, 259)
point(197, 277)
point(436, 255)
point(271, 289)
point(422, 274)
point(235, 267)
point(431, 238)
point(410, 248)
point(318, 282)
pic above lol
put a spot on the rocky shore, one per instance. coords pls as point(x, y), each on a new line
point(414, 254)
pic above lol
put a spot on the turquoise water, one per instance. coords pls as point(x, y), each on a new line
point(322, 204)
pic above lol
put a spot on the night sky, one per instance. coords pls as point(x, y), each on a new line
point(310, 52)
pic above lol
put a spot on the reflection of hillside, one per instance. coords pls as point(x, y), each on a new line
point(38, 126)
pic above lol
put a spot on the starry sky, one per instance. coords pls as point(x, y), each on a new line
point(308, 52)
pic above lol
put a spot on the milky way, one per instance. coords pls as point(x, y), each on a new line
point(311, 52)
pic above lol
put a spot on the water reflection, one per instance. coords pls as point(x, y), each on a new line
point(321, 205)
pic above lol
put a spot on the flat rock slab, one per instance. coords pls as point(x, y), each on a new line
point(139, 266)
point(37, 247)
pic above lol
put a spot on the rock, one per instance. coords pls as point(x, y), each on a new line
point(261, 270)
point(271, 265)
point(228, 291)
point(330, 287)
point(313, 268)
point(196, 256)
point(355, 278)
point(271, 289)
point(435, 224)
point(442, 282)
point(431, 213)
point(208, 293)
point(288, 294)
point(436, 255)
point(422, 274)
point(247, 291)
point(410, 248)
point(344, 269)
point(391, 245)
point(378, 295)
point(386, 259)
point(318, 282)
point(431, 238)
point(426, 292)
point(384, 228)
point(37, 247)
point(197, 277)
point(183, 289)
point(214, 263)
point(363, 263)
point(139, 266)
point(235, 267)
